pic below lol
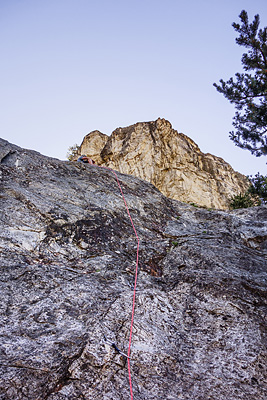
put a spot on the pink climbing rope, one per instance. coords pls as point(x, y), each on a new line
point(135, 284)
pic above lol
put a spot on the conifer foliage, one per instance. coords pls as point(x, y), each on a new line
point(248, 92)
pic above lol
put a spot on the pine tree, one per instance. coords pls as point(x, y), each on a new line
point(259, 187)
point(249, 91)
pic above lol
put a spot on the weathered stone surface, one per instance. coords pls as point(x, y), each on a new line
point(67, 261)
point(93, 143)
point(157, 153)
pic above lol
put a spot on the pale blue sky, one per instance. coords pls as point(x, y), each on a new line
point(72, 66)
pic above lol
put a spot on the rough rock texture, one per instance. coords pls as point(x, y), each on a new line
point(93, 144)
point(155, 152)
point(67, 259)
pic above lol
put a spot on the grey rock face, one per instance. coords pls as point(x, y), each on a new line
point(68, 255)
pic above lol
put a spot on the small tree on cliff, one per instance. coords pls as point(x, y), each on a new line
point(259, 187)
point(72, 152)
point(249, 91)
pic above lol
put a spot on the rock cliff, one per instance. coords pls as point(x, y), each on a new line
point(67, 260)
point(157, 153)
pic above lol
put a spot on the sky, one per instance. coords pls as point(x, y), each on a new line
point(69, 67)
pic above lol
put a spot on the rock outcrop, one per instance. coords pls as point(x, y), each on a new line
point(67, 260)
point(93, 144)
point(157, 153)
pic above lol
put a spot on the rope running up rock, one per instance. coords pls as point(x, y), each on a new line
point(135, 283)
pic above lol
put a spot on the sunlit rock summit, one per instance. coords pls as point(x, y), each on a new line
point(173, 162)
